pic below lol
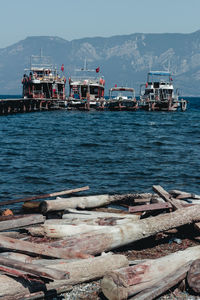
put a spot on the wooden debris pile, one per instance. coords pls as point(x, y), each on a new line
point(66, 241)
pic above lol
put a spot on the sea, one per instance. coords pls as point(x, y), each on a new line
point(112, 152)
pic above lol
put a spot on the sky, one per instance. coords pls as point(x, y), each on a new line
point(75, 19)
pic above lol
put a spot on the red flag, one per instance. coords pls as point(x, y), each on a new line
point(62, 68)
point(115, 85)
point(97, 70)
point(146, 85)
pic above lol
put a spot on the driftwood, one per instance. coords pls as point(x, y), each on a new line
point(193, 276)
point(92, 268)
point(167, 283)
point(75, 202)
point(11, 222)
point(97, 242)
point(51, 292)
point(88, 214)
point(33, 260)
point(126, 282)
point(167, 197)
point(76, 221)
point(19, 288)
point(13, 234)
point(32, 206)
point(149, 207)
point(83, 202)
point(40, 249)
point(33, 269)
point(17, 256)
point(80, 271)
point(63, 228)
point(183, 195)
point(66, 192)
point(59, 229)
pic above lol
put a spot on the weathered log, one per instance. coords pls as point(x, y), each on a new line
point(58, 229)
point(92, 268)
point(149, 207)
point(32, 206)
point(13, 234)
point(82, 202)
point(66, 192)
point(162, 286)
point(110, 221)
point(89, 214)
point(33, 260)
point(97, 242)
point(33, 269)
point(20, 221)
point(18, 256)
point(126, 282)
point(47, 293)
point(75, 202)
point(183, 195)
point(19, 288)
point(193, 276)
point(166, 196)
point(13, 272)
point(41, 249)
point(81, 271)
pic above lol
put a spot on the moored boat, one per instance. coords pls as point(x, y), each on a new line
point(158, 93)
point(42, 81)
point(124, 100)
point(86, 91)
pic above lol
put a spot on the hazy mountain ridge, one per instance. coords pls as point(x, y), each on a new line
point(123, 60)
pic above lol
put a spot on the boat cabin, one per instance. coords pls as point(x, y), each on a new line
point(79, 87)
point(84, 83)
point(42, 81)
point(159, 86)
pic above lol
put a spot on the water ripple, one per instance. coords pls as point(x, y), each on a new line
point(112, 152)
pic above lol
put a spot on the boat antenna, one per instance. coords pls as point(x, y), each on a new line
point(85, 64)
point(85, 67)
point(169, 65)
point(150, 63)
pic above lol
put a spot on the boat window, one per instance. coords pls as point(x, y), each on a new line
point(148, 91)
point(168, 91)
point(94, 90)
point(156, 84)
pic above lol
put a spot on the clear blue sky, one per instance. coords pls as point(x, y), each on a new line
point(74, 19)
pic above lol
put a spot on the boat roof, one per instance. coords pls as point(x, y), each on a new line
point(159, 73)
point(122, 89)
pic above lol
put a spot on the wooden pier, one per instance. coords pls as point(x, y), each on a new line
point(22, 105)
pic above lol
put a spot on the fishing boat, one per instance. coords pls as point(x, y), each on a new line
point(158, 93)
point(86, 90)
point(42, 81)
point(123, 100)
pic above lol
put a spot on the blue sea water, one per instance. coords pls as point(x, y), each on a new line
point(112, 152)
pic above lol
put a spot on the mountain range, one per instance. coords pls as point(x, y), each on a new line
point(123, 60)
